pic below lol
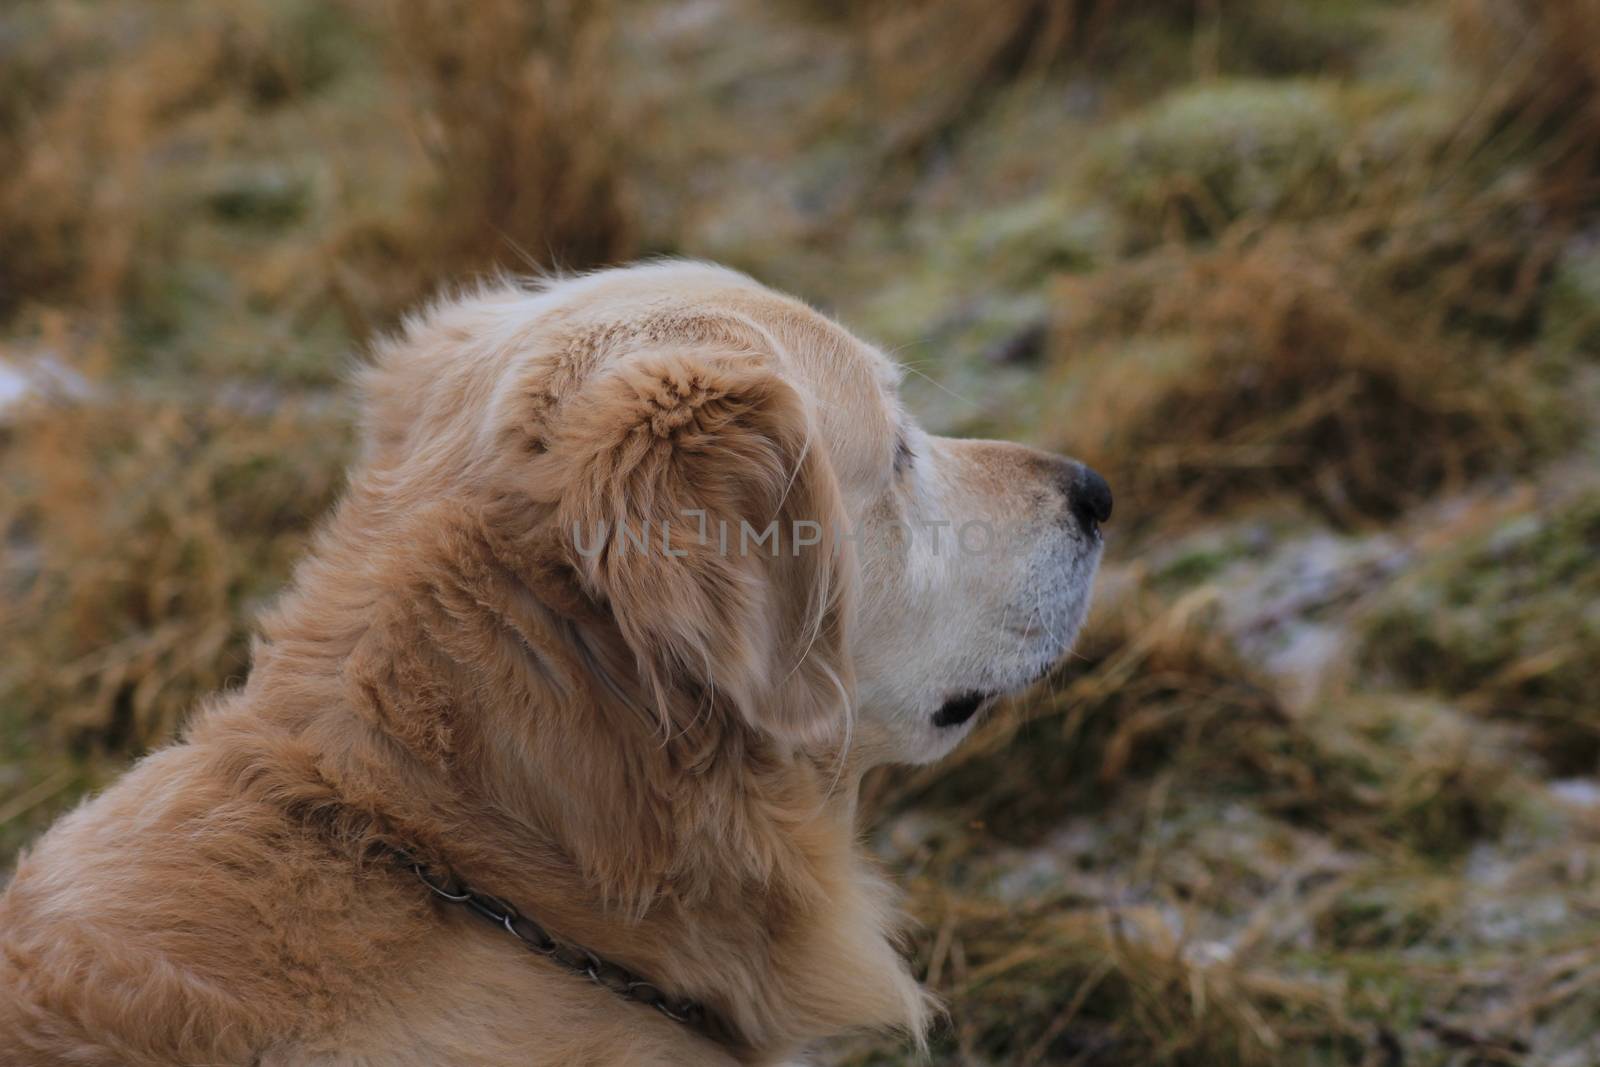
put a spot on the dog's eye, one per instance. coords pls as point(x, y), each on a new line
point(903, 456)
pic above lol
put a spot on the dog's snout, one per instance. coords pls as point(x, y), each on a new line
point(1088, 495)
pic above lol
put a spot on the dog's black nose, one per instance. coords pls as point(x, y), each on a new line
point(1091, 498)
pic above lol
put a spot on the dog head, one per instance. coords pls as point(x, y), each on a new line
point(731, 480)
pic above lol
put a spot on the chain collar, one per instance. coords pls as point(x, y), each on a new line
point(580, 961)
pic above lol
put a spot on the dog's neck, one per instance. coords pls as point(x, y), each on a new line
point(459, 698)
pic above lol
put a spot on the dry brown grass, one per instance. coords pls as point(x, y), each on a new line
point(1503, 621)
point(1061, 982)
point(1263, 368)
point(926, 64)
point(925, 69)
point(1542, 71)
point(516, 107)
point(143, 543)
point(74, 156)
point(1194, 163)
point(521, 165)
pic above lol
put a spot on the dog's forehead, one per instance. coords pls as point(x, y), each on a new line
point(851, 385)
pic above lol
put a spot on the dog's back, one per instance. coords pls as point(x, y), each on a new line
point(120, 935)
point(208, 909)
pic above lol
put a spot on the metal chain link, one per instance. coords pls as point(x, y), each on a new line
point(614, 977)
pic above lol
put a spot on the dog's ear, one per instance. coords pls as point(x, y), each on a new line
point(693, 499)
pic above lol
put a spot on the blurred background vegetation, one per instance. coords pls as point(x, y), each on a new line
point(1316, 284)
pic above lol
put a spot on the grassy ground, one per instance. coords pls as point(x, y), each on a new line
point(1316, 284)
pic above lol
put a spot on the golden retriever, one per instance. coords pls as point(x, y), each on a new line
point(637, 573)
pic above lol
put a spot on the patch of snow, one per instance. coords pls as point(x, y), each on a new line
point(44, 375)
point(13, 386)
point(1580, 792)
point(1288, 612)
point(1036, 873)
point(1203, 954)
